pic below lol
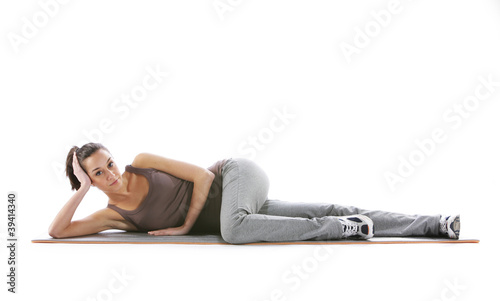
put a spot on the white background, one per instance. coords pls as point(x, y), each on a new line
point(351, 118)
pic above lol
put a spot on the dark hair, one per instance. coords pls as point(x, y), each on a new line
point(82, 153)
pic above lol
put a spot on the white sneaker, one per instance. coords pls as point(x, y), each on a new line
point(356, 226)
point(450, 226)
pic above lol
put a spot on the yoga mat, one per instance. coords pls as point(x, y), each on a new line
point(124, 237)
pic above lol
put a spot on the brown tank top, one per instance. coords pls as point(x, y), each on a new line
point(168, 199)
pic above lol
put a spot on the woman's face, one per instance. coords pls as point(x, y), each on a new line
point(103, 171)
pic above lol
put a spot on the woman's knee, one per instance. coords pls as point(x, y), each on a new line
point(231, 235)
point(231, 231)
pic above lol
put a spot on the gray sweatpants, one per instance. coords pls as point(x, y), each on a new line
point(247, 215)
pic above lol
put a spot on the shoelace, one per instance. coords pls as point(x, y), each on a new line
point(444, 225)
point(349, 229)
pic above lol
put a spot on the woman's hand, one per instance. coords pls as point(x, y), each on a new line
point(80, 174)
point(170, 231)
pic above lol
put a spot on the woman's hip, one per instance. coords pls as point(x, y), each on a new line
point(244, 184)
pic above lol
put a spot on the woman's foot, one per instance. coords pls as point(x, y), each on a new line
point(356, 226)
point(450, 226)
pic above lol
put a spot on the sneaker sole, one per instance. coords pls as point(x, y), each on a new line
point(454, 227)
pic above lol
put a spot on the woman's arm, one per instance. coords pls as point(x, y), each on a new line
point(63, 218)
point(201, 177)
point(62, 225)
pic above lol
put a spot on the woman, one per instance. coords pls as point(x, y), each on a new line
point(163, 196)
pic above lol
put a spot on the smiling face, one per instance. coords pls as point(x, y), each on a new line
point(103, 171)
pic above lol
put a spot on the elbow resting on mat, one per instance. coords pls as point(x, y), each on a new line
point(94, 223)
